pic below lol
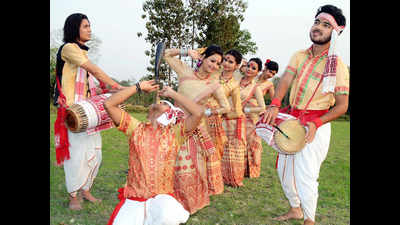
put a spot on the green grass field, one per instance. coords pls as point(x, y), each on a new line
point(257, 202)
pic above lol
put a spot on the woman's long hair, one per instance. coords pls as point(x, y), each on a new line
point(71, 27)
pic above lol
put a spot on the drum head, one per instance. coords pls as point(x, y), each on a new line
point(296, 133)
point(72, 120)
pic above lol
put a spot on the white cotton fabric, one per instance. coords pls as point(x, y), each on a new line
point(171, 116)
point(161, 210)
point(85, 158)
point(299, 173)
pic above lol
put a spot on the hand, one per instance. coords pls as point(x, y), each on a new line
point(148, 86)
point(194, 54)
point(270, 115)
point(166, 92)
point(312, 129)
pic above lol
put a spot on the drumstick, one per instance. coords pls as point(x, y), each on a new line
point(281, 131)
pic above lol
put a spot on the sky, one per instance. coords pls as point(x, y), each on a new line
point(279, 28)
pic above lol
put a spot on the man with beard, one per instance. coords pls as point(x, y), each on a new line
point(320, 81)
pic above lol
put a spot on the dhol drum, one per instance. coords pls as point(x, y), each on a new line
point(287, 137)
point(89, 115)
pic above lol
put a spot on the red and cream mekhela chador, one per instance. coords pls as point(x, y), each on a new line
point(233, 122)
point(265, 86)
point(191, 180)
point(252, 98)
point(147, 197)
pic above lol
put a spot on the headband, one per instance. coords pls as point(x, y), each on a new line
point(332, 21)
point(329, 75)
point(171, 115)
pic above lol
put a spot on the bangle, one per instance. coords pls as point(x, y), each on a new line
point(207, 112)
point(317, 121)
point(246, 109)
point(115, 86)
point(276, 102)
point(138, 89)
point(184, 52)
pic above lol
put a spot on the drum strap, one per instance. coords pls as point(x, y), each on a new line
point(305, 115)
point(60, 130)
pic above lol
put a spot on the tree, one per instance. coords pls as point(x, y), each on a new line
point(166, 20)
point(193, 24)
point(219, 23)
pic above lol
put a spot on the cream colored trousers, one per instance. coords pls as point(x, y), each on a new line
point(85, 158)
point(299, 173)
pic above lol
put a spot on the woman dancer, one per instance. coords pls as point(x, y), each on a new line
point(270, 69)
point(253, 104)
point(191, 184)
point(232, 163)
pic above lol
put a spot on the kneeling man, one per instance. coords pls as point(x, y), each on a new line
point(147, 196)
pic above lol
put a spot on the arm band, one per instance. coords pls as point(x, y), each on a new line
point(318, 122)
point(276, 102)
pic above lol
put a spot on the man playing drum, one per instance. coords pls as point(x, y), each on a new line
point(147, 197)
point(80, 153)
point(298, 173)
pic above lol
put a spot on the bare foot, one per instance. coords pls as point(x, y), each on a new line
point(294, 213)
point(74, 203)
point(88, 196)
point(308, 222)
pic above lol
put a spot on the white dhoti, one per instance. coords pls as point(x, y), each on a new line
point(85, 158)
point(161, 210)
point(298, 173)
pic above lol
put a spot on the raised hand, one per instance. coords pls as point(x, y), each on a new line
point(149, 86)
point(166, 92)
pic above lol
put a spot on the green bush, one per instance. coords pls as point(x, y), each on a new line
point(136, 108)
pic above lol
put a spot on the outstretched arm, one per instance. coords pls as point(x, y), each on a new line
point(100, 74)
point(111, 104)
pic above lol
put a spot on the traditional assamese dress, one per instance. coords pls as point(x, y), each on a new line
point(233, 122)
point(252, 98)
point(191, 177)
point(84, 148)
point(264, 86)
point(147, 197)
point(298, 173)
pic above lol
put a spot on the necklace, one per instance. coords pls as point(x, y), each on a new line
point(223, 80)
point(244, 84)
point(196, 73)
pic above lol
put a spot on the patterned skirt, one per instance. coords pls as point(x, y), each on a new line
point(213, 161)
point(252, 156)
point(190, 184)
point(232, 163)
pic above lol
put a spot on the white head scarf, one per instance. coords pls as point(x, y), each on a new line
point(329, 75)
point(171, 115)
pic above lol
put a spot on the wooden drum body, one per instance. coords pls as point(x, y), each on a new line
point(89, 114)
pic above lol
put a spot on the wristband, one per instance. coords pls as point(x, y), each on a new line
point(138, 89)
point(207, 112)
point(276, 102)
point(115, 86)
point(317, 121)
point(184, 52)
